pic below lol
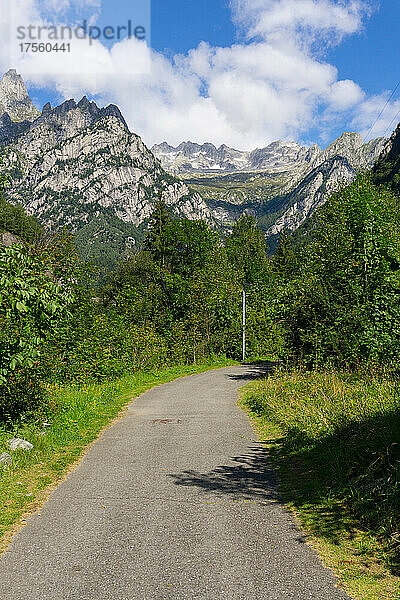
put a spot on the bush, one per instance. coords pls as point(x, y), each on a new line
point(32, 305)
point(22, 395)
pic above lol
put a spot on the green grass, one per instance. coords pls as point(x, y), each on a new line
point(335, 440)
point(240, 188)
point(79, 415)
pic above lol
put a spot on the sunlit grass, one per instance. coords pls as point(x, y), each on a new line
point(335, 439)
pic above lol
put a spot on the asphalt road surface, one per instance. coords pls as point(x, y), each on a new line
point(175, 501)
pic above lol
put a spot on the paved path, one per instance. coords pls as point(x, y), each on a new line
point(175, 501)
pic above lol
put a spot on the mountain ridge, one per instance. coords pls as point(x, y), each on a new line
point(78, 165)
point(281, 184)
point(190, 157)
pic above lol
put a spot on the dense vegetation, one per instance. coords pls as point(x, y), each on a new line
point(328, 299)
point(337, 287)
point(387, 168)
point(13, 219)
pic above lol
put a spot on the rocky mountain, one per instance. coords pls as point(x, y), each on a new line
point(311, 193)
point(336, 165)
point(281, 184)
point(14, 99)
point(189, 158)
point(206, 158)
point(79, 166)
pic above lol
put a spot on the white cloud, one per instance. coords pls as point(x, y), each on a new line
point(372, 122)
point(274, 85)
point(276, 18)
point(345, 95)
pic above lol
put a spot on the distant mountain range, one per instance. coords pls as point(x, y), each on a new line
point(79, 166)
point(281, 184)
point(189, 158)
point(206, 158)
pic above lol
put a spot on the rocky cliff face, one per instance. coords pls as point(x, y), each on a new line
point(335, 166)
point(14, 99)
point(76, 159)
point(78, 164)
point(311, 193)
point(281, 184)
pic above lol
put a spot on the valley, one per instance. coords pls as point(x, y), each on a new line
point(78, 166)
point(176, 235)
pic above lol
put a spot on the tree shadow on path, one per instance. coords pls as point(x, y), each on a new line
point(254, 371)
point(249, 477)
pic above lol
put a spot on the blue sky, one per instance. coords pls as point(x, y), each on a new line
point(176, 26)
point(338, 69)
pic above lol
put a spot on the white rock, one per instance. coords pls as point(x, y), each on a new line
point(14, 98)
point(18, 444)
point(5, 459)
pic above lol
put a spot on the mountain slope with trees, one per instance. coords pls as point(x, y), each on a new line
point(78, 166)
point(387, 168)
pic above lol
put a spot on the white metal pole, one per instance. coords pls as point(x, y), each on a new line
point(244, 326)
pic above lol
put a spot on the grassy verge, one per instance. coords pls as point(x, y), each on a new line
point(80, 415)
point(335, 440)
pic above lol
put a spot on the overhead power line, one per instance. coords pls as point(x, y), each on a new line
point(382, 111)
point(391, 123)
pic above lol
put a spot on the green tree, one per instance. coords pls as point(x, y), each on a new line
point(190, 243)
point(32, 305)
point(157, 235)
point(246, 249)
point(4, 180)
point(285, 260)
point(344, 303)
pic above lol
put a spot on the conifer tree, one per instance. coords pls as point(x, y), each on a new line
point(246, 249)
point(156, 241)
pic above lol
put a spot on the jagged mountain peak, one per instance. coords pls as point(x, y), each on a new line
point(47, 108)
point(190, 157)
point(59, 122)
point(79, 166)
point(14, 98)
point(278, 156)
point(349, 138)
point(12, 78)
point(87, 107)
